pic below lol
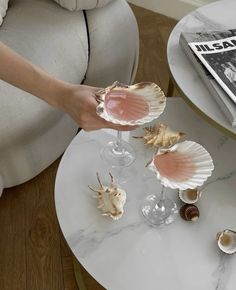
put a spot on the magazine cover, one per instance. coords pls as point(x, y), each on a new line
point(225, 103)
point(217, 52)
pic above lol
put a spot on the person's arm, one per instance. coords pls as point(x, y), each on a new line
point(77, 100)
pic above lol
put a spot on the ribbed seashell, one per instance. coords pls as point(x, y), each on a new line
point(111, 199)
point(189, 212)
point(131, 105)
point(185, 165)
point(190, 196)
point(161, 135)
point(226, 241)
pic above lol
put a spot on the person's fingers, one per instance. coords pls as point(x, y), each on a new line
point(105, 124)
point(92, 121)
point(97, 89)
point(94, 89)
point(120, 127)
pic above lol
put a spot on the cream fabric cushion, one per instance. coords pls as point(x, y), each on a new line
point(33, 134)
point(114, 45)
point(74, 5)
point(3, 9)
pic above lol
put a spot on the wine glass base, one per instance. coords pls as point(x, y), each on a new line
point(156, 215)
point(115, 157)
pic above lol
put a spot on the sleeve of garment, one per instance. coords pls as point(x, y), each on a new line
point(74, 5)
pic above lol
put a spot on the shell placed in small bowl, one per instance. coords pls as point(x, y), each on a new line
point(185, 165)
point(190, 196)
point(131, 105)
point(226, 241)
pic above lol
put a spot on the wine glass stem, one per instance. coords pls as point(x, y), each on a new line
point(161, 203)
point(119, 147)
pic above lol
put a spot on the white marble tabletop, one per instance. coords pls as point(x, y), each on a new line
point(128, 254)
point(218, 15)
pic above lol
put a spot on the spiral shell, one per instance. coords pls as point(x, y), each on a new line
point(189, 212)
point(131, 105)
point(226, 241)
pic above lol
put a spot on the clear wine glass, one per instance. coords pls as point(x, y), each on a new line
point(183, 166)
point(158, 209)
point(128, 105)
point(118, 152)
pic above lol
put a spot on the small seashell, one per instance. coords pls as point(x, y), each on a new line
point(189, 212)
point(160, 135)
point(111, 199)
point(226, 241)
point(184, 165)
point(131, 105)
point(190, 196)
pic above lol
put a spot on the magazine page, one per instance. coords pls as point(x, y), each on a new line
point(219, 57)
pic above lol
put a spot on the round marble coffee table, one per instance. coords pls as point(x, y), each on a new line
point(219, 15)
point(128, 254)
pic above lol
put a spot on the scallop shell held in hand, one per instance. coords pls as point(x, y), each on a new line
point(111, 199)
point(131, 105)
point(226, 241)
point(184, 165)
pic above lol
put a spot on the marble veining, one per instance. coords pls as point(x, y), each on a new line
point(226, 177)
point(89, 239)
point(183, 255)
point(223, 272)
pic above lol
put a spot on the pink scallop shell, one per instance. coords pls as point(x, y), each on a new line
point(184, 165)
point(131, 105)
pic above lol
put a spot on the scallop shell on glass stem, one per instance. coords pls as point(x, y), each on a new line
point(185, 165)
point(111, 199)
point(226, 241)
point(131, 105)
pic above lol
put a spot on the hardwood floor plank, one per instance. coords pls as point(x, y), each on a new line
point(154, 30)
point(90, 282)
point(68, 274)
point(65, 250)
point(44, 268)
point(12, 240)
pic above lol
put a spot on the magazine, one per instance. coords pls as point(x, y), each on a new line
point(210, 53)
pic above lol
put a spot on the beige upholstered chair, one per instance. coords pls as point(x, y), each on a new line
point(33, 134)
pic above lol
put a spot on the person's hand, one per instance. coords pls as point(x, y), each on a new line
point(79, 101)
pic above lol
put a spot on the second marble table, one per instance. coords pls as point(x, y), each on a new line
point(219, 15)
point(128, 254)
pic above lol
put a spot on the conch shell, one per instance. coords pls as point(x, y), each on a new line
point(160, 135)
point(111, 199)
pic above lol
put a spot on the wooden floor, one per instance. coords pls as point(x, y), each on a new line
point(33, 252)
